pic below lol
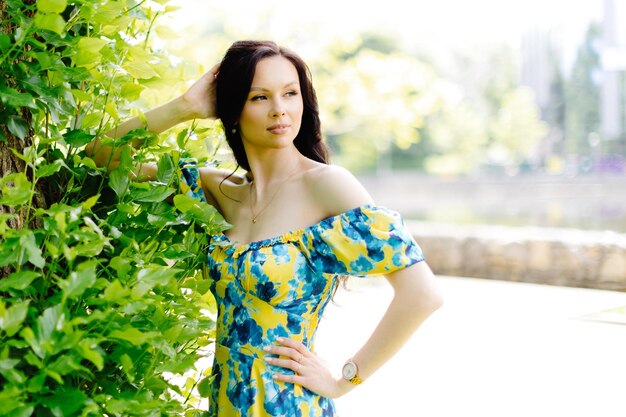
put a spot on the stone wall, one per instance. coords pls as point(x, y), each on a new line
point(577, 258)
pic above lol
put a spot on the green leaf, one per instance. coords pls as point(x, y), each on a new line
point(91, 120)
point(128, 367)
point(17, 194)
point(10, 251)
point(130, 334)
point(18, 280)
point(165, 169)
point(115, 292)
point(200, 211)
point(13, 98)
point(36, 382)
point(131, 91)
point(88, 349)
point(118, 181)
point(90, 202)
point(77, 138)
point(49, 169)
point(29, 244)
point(181, 138)
point(140, 69)
point(65, 402)
point(153, 276)
point(50, 21)
point(18, 127)
point(48, 321)
point(80, 95)
point(88, 51)
point(22, 411)
point(88, 162)
point(81, 279)
point(153, 195)
point(121, 265)
point(5, 42)
point(204, 387)
point(52, 6)
point(13, 317)
point(10, 399)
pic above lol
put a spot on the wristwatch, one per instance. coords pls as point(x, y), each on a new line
point(350, 372)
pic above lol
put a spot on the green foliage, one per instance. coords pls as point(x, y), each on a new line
point(105, 302)
point(382, 108)
point(371, 101)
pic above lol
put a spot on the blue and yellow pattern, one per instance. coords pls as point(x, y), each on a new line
point(280, 287)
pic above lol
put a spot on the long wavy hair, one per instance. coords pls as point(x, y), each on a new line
point(233, 85)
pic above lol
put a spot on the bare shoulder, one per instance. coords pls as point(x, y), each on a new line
point(336, 188)
point(218, 184)
point(216, 175)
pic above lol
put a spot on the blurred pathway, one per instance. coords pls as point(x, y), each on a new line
point(495, 349)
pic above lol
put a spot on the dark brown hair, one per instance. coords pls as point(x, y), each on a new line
point(233, 85)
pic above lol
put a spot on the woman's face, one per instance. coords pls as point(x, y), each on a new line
point(272, 114)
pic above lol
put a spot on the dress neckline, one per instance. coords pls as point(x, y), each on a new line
point(285, 236)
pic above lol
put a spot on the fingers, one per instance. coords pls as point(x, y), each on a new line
point(285, 363)
point(294, 345)
point(292, 355)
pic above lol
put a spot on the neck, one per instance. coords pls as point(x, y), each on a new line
point(273, 167)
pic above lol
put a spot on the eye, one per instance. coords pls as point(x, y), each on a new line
point(291, 93)
point(258, 98)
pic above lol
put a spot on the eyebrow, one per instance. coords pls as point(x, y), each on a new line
point(265, 89)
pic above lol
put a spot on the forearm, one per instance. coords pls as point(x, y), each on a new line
point(156, 120)
point(415, 299)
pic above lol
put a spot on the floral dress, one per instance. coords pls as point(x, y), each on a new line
point(279, 287)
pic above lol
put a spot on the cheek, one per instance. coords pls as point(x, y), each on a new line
point(248, 119)
point(297, 110)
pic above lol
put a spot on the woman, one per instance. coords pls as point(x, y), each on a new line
point(300, 224)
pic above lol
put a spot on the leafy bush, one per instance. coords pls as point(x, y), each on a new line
point(102, 297)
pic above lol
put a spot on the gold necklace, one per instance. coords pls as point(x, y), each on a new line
point(256, 216)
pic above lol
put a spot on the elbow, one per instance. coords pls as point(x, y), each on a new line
point(434, 300)
point(93, 151)
point(99, 155)
point(426, 301)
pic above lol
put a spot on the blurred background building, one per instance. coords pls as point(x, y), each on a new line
point(580, 88)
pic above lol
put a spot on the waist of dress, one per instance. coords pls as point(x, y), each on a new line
point(255, 351)
point(250, 351)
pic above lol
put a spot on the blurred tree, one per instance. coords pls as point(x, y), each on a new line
point(582, 116)
point(516, 128)
point(460, 136)
point(491, 121)
point(372, 100)
point(554, 114)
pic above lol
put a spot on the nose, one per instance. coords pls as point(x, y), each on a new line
point(278, 110)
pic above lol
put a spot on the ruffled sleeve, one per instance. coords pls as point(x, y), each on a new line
point(368, 240)
point(189, 179)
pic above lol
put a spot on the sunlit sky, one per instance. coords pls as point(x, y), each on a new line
point(419, 24)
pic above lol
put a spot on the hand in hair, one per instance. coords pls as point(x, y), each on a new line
point(200, 97)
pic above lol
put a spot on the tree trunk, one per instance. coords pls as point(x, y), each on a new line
point(9, 163)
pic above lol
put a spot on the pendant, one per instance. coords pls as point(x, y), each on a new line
point(254, 220)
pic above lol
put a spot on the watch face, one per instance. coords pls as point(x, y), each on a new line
point(349, 371)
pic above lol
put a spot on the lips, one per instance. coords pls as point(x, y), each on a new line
point(278, 129)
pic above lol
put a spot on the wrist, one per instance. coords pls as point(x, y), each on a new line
point(342, 387)
point(183, 109)
point(350, 372)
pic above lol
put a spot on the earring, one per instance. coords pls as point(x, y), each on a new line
point(234, 130)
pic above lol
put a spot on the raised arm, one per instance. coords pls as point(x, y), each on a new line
point(196, 103)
